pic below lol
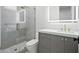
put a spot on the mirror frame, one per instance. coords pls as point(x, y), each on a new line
point(64, 21)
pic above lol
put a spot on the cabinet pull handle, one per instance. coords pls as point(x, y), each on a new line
point(62, 39)
point(15, 49)
point(66, 39)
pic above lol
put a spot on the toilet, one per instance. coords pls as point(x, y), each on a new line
point(32, 46)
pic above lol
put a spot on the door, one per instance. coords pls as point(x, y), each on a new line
point(44, 43)
point(57, 44)
point(69, 45)
point(8, 27)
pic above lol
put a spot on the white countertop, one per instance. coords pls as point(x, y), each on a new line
point(61, 33)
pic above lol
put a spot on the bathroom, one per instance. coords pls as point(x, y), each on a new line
point(32, 29)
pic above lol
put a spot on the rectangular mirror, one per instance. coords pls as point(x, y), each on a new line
point(61, 13)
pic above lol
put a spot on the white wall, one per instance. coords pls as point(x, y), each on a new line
point(41, 17)
point(42, 21)
point(54, 13)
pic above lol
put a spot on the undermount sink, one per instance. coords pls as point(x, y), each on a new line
point(73, 33)
point(62, 33)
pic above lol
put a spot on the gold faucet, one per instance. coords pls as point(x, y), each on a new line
point(65, 28)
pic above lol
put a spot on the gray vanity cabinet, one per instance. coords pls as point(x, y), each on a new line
point(49, 43)
point(44, 43)
point(75, 46)
point(69, 45)
point(57, 44)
